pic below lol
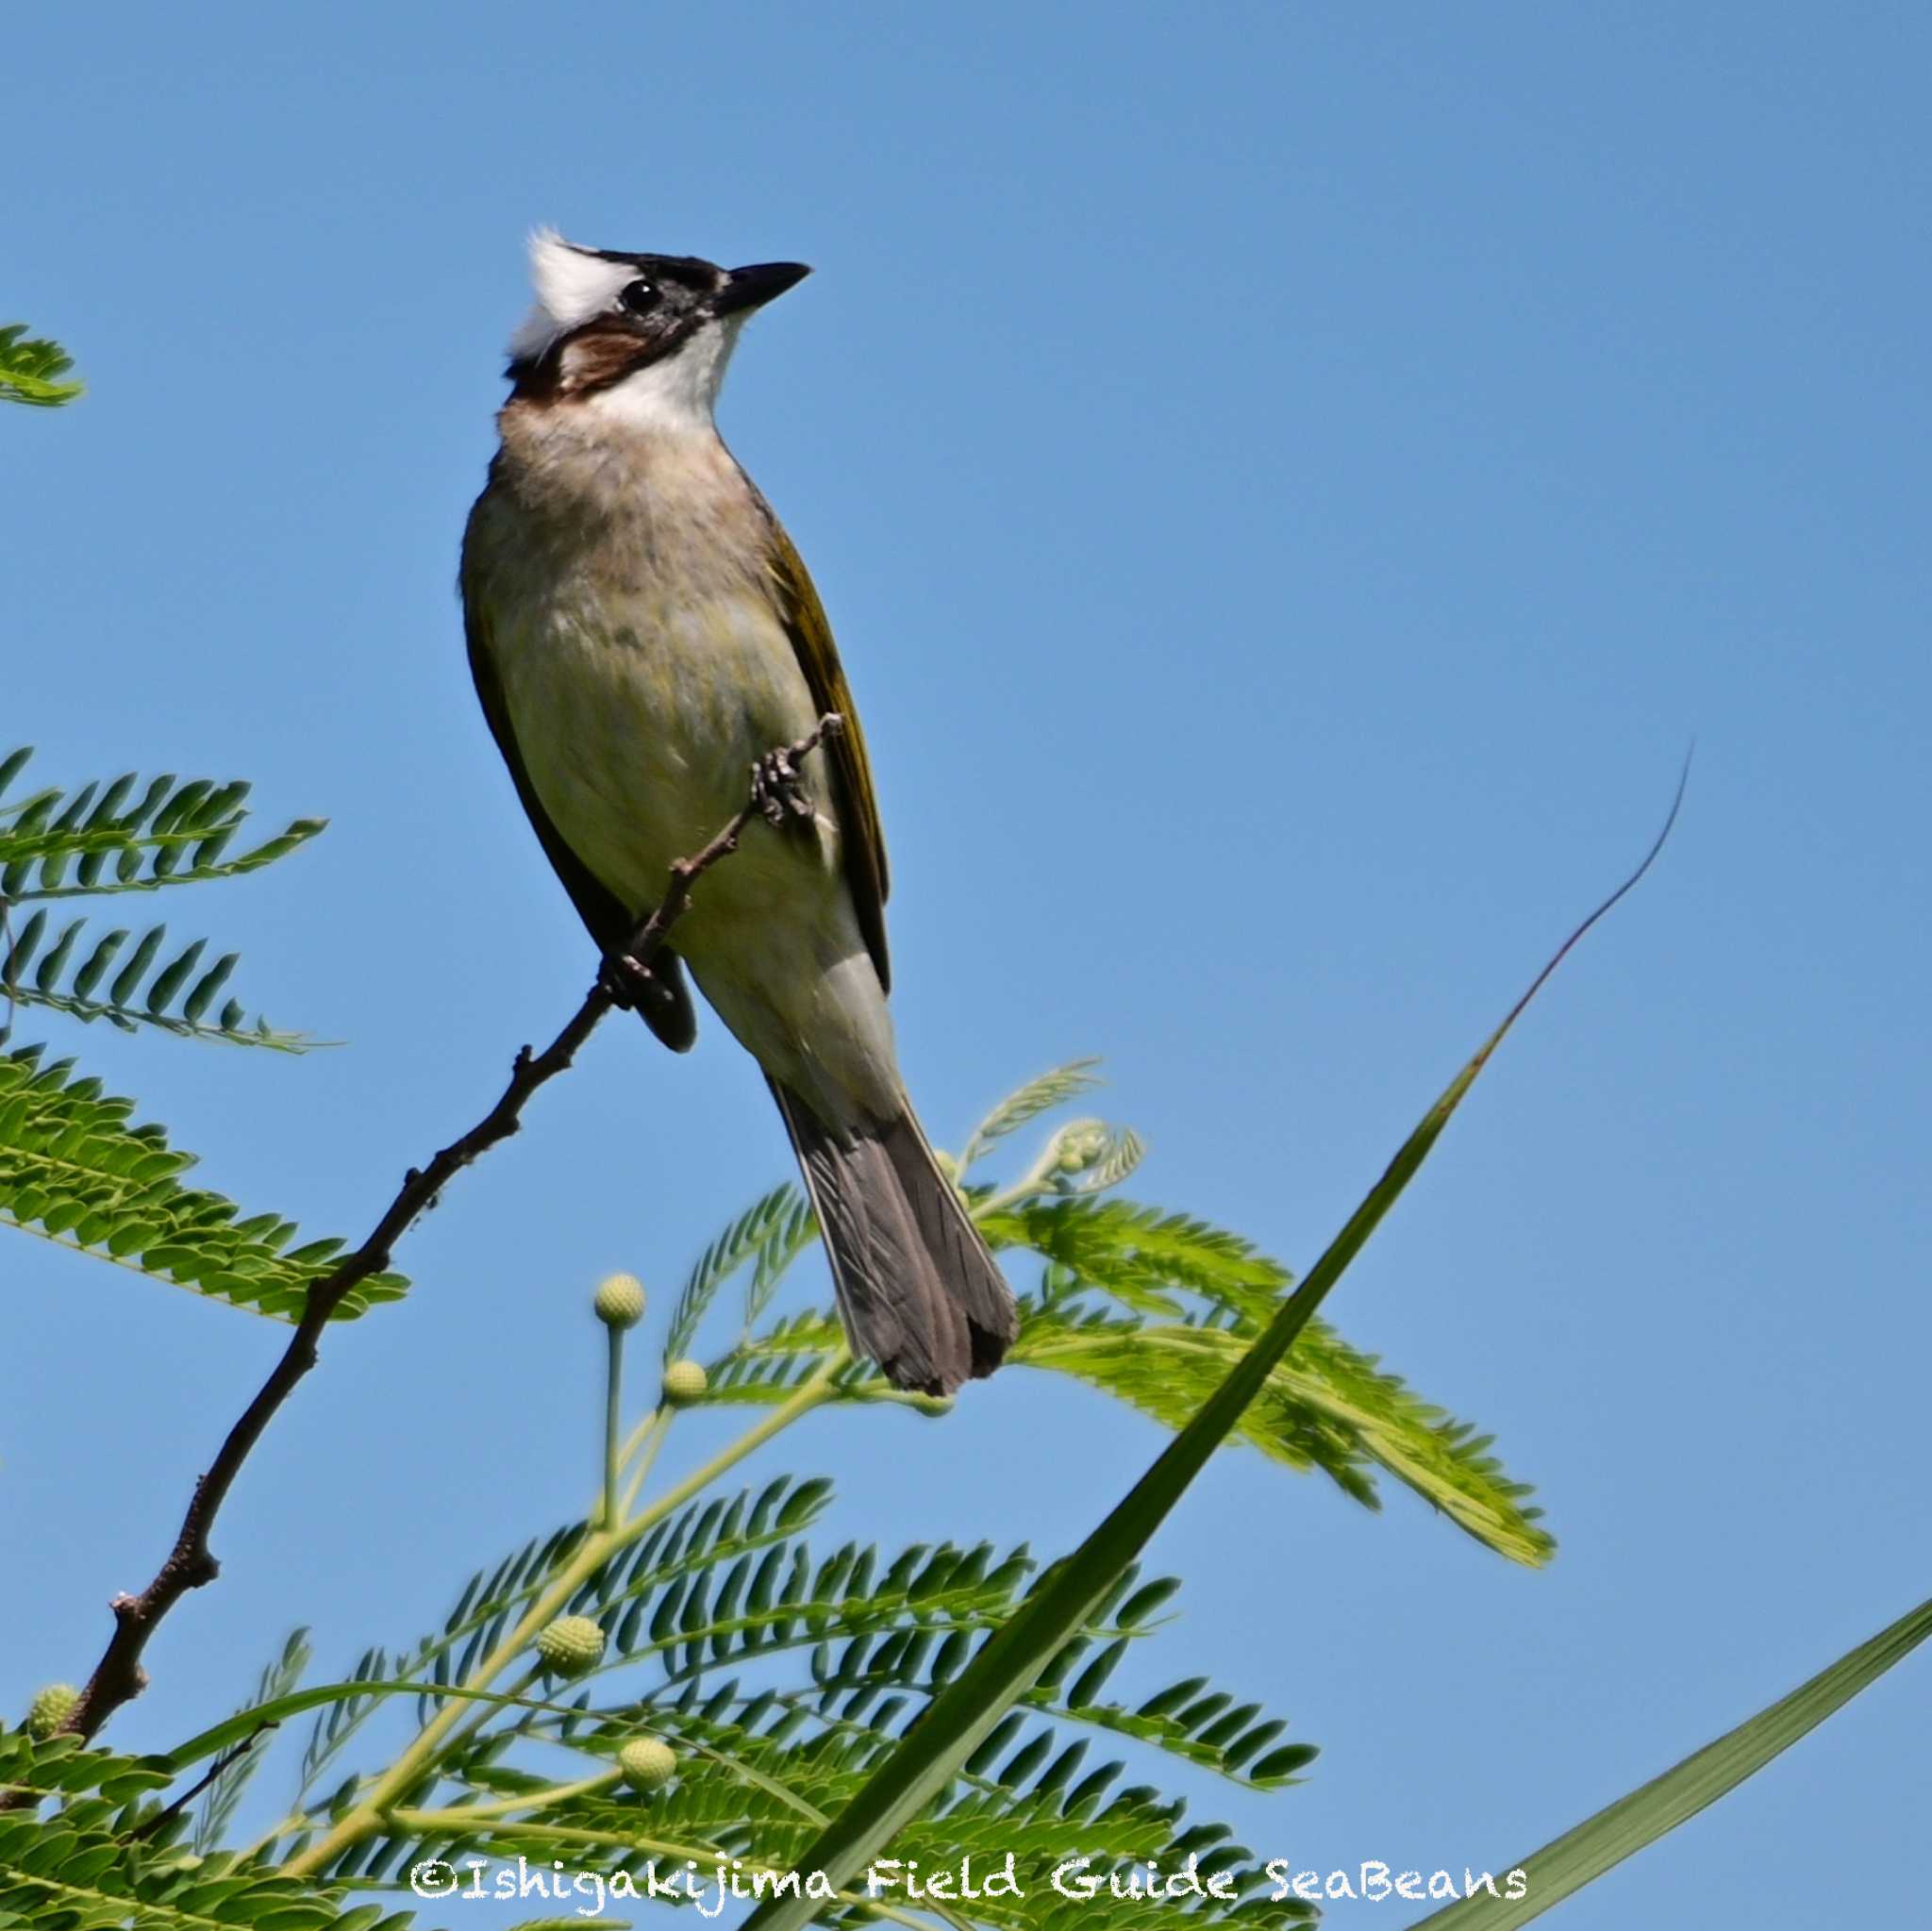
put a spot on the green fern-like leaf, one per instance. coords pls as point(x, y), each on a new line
point(1190, 1720)
point(781, 1677)
point(743, 1242)
point(75, 1172)
point(1300, 1420)
point(130, 982)
point(846, 1651)
point(770, 1367)
point(130, 834)
point(74, 1875)
point(704, 1536)
point(1193, 1295)
point(105, 1857)
point(1036, 1097)
point(31, 369)
point(787, 1241)
point(1327, 1406)
point(65, 1768)
point(733, 1588)
point(1116, 1153)
point(1119, 1245)
point(225, 1794)
point(842, 1650)
point(339, 1720)
point(753, 1780)
point(1043, 1807)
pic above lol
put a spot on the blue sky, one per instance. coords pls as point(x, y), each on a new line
point(1290, 482)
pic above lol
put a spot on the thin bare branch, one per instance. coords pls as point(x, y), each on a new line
point(119, 1676)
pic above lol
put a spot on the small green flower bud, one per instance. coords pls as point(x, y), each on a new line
point(571, 1645)
point(49, 1710)
point(685, 1382)
point(1081, 1144)
point(648, 1764)
point(620, 1301)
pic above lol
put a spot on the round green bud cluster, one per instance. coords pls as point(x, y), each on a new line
point(49, 1709)
point(1081, 1144)
point(620, 1302)
point(648, 1764)
point(685, 1382)
point(571, 1645)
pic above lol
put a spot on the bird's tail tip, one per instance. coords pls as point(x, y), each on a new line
point(918, 1288)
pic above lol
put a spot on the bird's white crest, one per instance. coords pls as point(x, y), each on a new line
point(571, 286)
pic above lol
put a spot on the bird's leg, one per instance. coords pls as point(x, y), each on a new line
point(777, 789)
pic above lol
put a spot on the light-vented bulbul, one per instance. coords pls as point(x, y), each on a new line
point(643, 635)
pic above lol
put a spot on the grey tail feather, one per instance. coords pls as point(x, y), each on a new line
point(917, 1288)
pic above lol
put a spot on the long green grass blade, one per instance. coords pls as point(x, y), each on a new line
point(1581, 1855)
point(963, 1715)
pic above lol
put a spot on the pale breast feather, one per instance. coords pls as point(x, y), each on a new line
point(640, 721)
point(654, 633)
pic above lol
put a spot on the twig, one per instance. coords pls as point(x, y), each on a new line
point(119, 1676)
point(226, 1761)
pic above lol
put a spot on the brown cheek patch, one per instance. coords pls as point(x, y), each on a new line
point(590, 359)
point(594, 357)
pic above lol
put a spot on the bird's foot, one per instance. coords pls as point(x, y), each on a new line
point(777, 789)
point(629, 984)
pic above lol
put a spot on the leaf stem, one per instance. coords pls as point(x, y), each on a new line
point(594, 1551)
point(484, 1712)
point(649, 1436)
point(524, 1800)
point(1034, 1180)
point(614, 1386)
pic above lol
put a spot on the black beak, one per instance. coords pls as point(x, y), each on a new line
point(753, 287)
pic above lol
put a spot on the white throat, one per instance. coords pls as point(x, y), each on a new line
point(679, 395)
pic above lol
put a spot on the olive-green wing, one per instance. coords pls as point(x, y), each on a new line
point(804, 617)
point(672, 1018)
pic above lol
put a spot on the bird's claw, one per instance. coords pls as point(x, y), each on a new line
point(627, 983)
point(777, 789)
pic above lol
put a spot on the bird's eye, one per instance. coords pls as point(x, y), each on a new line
point(639, 297)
